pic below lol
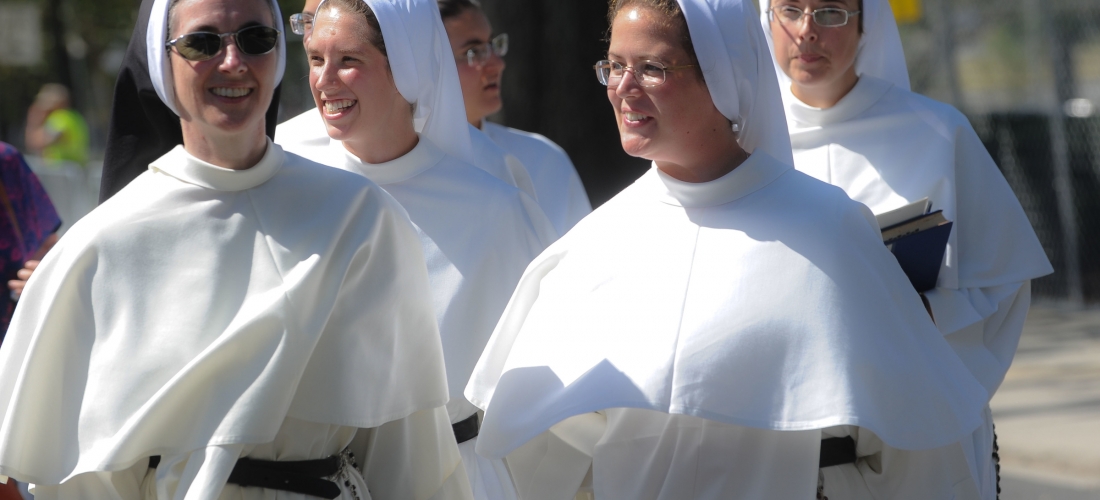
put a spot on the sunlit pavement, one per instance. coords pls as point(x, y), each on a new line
point(1047, 412)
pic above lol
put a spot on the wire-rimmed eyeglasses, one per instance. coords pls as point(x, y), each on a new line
point(647, 73)
point(828, 17)
point(479, 54)
point(301, 23)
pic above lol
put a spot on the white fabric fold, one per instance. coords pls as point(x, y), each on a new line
point(227, 304)
point(880, 52)
point(733, 309)
point(160, 65)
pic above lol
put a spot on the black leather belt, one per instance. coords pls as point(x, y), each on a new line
point(837, 451)
point(307, 477)
point(466, 429)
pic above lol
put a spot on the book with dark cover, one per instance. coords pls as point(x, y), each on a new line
point(919, 244)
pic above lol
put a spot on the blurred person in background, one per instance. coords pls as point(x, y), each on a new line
point(28, 228)
point(855, 123)
point(480, 59)
point(54, 130)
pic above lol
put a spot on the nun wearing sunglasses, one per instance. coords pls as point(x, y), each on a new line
point(237, 322)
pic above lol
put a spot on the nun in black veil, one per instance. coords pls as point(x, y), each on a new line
point(142, 128)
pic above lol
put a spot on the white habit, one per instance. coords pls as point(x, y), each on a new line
point(560, 192)
point(720, 330)
point(204, 314)
point(478, 233)
point(886, 147)
point(763, 301)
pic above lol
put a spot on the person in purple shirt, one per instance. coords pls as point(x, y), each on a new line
point(28, 227)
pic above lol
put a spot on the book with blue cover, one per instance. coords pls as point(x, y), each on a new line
point(918, 239)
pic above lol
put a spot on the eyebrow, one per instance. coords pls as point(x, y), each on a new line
point(474, 41)
point(212, 29)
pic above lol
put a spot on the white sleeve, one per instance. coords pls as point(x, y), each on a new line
point(983, 326)
point(414, 458)
point(125, 484)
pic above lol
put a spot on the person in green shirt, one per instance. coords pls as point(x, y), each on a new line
point(54, 130)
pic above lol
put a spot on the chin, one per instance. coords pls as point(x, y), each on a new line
point(638, 147)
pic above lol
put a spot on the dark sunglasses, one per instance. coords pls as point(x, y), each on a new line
point(202, 45)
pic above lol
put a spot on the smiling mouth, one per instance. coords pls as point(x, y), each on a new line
point(338, 106)
point(231, 92)
point(634, 118)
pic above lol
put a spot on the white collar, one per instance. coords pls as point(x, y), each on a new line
point(757, 171)
point(185, 167)
point(866, 93)
point(423, 156)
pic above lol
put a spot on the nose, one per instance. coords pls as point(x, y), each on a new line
point(806, 28)
point(494, 65)
point(232, 60)
point(628, 86)
point(326, 77)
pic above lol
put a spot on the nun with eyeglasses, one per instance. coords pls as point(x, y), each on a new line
point(237, 321)
point(726, 327)
point(854, 123)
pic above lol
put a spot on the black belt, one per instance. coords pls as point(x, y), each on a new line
point(837, 451)
point(306, 477)
point(466, 429)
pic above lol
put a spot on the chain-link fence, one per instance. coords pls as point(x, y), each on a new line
point(1027, 72)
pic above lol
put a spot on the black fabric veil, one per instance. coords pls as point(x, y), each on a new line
point(142, 128)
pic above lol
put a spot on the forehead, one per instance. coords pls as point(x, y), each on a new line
point(221, 14)
point(639, 32)
point(469, 26)
point(349, 31)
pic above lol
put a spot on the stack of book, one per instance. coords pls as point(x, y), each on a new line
point(918, 239)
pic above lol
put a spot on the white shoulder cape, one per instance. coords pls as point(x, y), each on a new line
point(764, 299)
point(202, 306)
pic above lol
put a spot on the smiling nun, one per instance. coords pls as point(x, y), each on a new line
point(237, 322)
point(854, 123)
point(726, 327)
point(386, 88)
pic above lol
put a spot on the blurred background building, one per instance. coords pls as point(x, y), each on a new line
point(1026, 72)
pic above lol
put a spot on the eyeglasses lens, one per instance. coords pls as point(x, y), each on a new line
point(198, 46)
point(480, 54)
point(830, 17)
point(257, 40)
point(610, 73)
point(301, 23)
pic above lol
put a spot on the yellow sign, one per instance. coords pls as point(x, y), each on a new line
point(907, 11)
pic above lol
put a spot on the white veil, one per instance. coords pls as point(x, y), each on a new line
point(739, 72)
point(160, 67)
point(424, 71)
point(880, 52)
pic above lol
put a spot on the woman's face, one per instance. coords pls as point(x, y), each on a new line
point(351, 80)
point(663, 123)
point(816, 56)
point(231, 91)
point(480, 84)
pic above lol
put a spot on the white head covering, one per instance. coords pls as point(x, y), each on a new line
point(880, 54)
point(157, 36)
point(424, 71)
point(732, 53)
